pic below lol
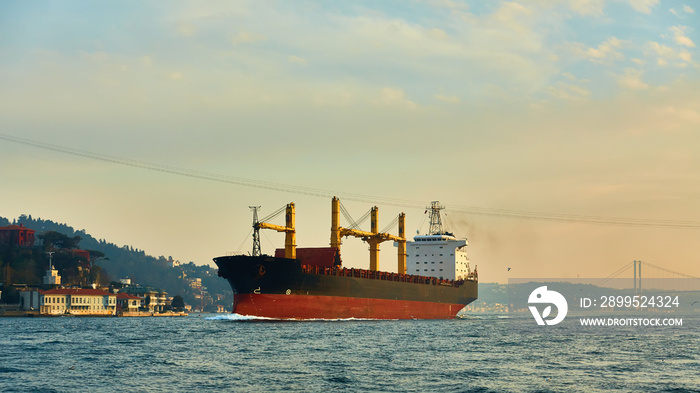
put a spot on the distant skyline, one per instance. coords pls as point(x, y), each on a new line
point(577, 108)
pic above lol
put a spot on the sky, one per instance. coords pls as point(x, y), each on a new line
point(558, 110)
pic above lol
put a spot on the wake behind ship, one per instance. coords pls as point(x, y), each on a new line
point(311, 283)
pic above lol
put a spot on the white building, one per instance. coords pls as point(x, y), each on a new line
point(152, 300)
point(74, 301)
point(438, 254)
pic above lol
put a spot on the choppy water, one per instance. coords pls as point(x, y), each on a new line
point(482, 353)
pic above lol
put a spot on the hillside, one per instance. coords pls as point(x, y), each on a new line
point(127, 262)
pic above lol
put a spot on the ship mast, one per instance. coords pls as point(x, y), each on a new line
point(256, 231)
point(435, 220)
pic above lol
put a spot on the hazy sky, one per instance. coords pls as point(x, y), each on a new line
point(576, 107)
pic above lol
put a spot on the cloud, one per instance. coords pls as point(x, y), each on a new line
point(632, 80)
point(606, 52)
point(680, 37)
point(394, 97)
point(573, 77)
point(450, 4)
point(146, 60)
point(666, 54)
point(186, 29)
point(681, 115)
point(569, 91)
point(686, 8)
point(245, 37)
point(438, 34)
point(296, 60)
point(588, 7)
point(643, 6)
point(176, 76)
point(449, 99)
point(513, 16)
point(686, 56)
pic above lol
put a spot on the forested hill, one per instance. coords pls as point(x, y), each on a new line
point(127, 262)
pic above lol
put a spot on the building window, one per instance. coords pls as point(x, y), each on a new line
point(440, 269)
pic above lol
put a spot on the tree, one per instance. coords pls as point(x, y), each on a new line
point(99, 276)
point(10, 295)
point(56, 240)
point(178, 303)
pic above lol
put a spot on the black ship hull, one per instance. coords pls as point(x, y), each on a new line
point(283, 288)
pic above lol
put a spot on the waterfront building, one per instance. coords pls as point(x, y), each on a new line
point(127, 302)
point(29, 300)
point(16, 235)
point(152, 300)
point(72, 301)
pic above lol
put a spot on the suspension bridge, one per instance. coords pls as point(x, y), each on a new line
point(647, 276)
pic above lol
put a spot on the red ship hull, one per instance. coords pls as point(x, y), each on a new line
point(338, 307)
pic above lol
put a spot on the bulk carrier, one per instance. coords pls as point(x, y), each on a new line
point(311, 283)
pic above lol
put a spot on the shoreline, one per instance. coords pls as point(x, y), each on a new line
point(136, 314)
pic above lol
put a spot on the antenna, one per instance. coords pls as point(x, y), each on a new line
point(435, 220)
point(50, 254)
point(256, 231)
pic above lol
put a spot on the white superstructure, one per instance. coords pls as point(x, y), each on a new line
point(438, 254)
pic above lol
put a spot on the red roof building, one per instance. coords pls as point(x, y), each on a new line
point(17, 235)
point(128, 303)
point(76, 292)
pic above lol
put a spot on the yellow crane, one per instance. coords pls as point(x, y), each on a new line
point(290, 238)
point(373, 238)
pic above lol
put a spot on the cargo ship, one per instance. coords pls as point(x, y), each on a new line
point(311, 283)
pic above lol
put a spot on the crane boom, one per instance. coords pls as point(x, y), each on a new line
point(374, 238)
point(290, 239)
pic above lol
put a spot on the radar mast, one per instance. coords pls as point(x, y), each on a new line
point(435, 219)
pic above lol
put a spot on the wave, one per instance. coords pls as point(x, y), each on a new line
point(237, 317)
point(242, 318)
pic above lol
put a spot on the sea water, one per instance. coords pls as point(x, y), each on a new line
point(207, 353)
